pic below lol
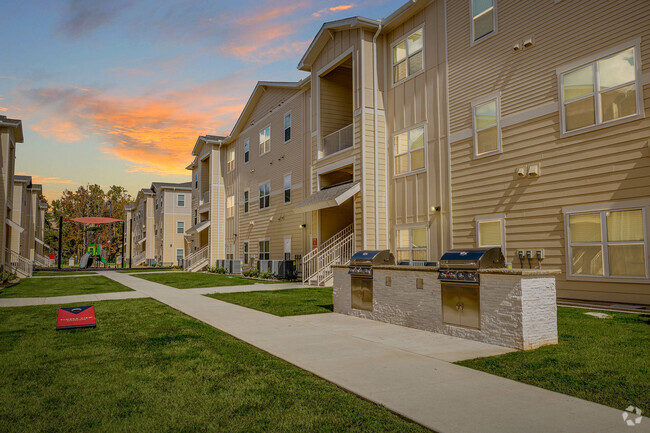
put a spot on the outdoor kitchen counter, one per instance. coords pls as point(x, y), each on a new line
point(517, 306)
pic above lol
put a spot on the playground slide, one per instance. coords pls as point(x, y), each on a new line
point(83, 263)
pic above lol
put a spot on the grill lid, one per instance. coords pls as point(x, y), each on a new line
point(473, 258)
point(375, 258)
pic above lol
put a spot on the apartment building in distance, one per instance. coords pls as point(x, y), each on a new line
point(550, 153)
point(448, 124)
point(142, 234)
point(29, 213)
point(171, 218)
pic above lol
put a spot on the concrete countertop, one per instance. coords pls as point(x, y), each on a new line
point(504, 271)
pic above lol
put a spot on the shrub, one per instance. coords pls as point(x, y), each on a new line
point(252, 272)
point(266, 275)
point(6, 276)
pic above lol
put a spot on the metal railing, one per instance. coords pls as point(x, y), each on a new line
point(317, 264)
point(339, 140)
point(18, 264)
point(195, 259)
point(43, 261)
point(139, 258)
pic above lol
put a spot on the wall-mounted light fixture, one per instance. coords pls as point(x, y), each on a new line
point(302, 226)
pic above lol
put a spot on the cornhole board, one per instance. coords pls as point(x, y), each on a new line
point(76, 317)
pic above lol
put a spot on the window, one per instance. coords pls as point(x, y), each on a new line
point(608, 243)
point(180, 200)
point(230, 251)
point(246, 194)
point(412, 244)
point(287, 127)
point(246, 258)
point(265, 195)
point(600, 92)
point(409, 151)
point(196, 216)
point(287, 188)
point(196, 180)
point(490, 231)
point(265, 140)
point(408, 56)
point(484, 18)
point(180, 253)
point(230, 206)
point(230, 156)
point(247, 151)
point(265, 252)
point(487, 131)
point(180, 227)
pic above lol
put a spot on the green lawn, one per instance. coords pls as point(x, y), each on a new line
point(134, 270)
point(603, 360)
point(193, 280)
point(62, 273)
point(45, 287)
point(291, 302)
point(147, 367)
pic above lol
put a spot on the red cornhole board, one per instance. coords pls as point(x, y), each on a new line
point(52, 256)
point(76, 317)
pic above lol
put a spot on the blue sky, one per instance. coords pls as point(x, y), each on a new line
point(117, 91)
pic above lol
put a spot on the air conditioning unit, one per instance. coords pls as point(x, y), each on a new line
point(236, 266)
point(275, 266)
point(264, 265)
point(287, 269)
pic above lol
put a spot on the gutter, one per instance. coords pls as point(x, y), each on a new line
point(375, 85)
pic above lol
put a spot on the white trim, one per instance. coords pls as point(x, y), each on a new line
point(500, 217)
point(406, 58)
point(259, 208)
point(465, 134)
point(529, 114)
point(473, 41)
point(247, 190)
point(331, 155)
point(410, 249)
point(422, 125)
point(259, 143)
point(284, 189)
point(335, 166)
point(247, 140)
point(284, 127)
point(14, 225)
point(335, 63)
point(448, 130)
point(480, 101)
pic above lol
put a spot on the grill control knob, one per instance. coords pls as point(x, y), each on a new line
point(460, 275)
point(470, 276)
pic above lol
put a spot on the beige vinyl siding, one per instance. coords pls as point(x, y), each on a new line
point(271, 99)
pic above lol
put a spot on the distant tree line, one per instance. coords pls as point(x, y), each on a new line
point(89, 201)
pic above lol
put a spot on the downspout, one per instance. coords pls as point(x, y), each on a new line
point(375, 85)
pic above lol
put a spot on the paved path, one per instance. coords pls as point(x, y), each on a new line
point(435, 393)
point(22, 302)
point(247, 288)
point(65, 276)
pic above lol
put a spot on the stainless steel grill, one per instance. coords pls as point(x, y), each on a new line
point(360, 270)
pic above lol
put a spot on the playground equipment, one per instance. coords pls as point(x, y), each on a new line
point(95, 254)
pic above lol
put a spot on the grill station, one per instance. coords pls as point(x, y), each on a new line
point(360, 271)
point(460, 285)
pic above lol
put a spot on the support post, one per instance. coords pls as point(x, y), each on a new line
point(123, 237)
point(60, 239)
point(131, 243)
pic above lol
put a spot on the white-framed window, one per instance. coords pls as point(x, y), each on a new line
point(265, 195)
point(180, 253)
point(196, 216)
point(265, 249)
point(180, 227)
point(246, 256)
point(247, 150)
point(230, 251)
point(265, 140)
point(230, 206)
point(246, 199)
point(608, 241)
point(287, 127)
point(409, 151)
point(180, 200)
point(230, 158)
point(491, 231)
point(411, 244)
point(287, 188)
point(196, 180)
point(408, 56)
point(484, 18)
point(487, 126)
point(601, 91)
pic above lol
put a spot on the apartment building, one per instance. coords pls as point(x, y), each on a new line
point(128, 233)
point(172, 216)
point(29, 214)
point(550, 139)
point(143, 234)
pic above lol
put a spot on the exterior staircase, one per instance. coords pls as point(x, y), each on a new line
point(43, 261)
point(18, 264)
point(317, 265)
point(139, 258)
point(196, 261)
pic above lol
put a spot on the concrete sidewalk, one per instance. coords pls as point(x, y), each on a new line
point(247, 288)
point(437, 394)
point(23, 302)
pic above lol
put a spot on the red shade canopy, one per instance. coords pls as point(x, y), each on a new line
point(94, 220)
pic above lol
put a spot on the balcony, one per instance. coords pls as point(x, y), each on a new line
point(205, 198)
point(338, 140)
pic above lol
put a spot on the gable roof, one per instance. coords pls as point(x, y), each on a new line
point(212, 139)
point(13, 123)
point(22, 178)
point(155, 186)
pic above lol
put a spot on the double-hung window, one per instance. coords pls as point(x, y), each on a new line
point(246, 194)
point(412, 244)
point(265, 140)
point(408, 149)
point(265, 250)
point(231, 159)
point(607, 243)
point(487, 128)
point(180, 202)
point(265, 195)
point(247, 151)
point(408, 56)
point(179, 254)
point(196, 216)
point(230, 206)
point(490, 231)
point(246, 252)
point(601, 92)
point(287, 127)
point(287, 188)
point(484, 18)
point(196, 180)
point(180, 227)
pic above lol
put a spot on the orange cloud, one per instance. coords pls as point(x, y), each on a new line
point(333, 9)
point(269, 15)
point(61, 130)
point(3, 108)
point(46, 180)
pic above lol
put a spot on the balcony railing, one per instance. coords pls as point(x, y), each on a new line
point(339, 140)
point(18, 264)
point(205, 198)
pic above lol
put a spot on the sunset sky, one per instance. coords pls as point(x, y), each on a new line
point(117, 91)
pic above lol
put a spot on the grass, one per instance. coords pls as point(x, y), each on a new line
point(193, 280)
point(606, 361)
point(135, 270)
point(45, 287)
point(62, 273)
point(291, 302)
point(149, 368)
